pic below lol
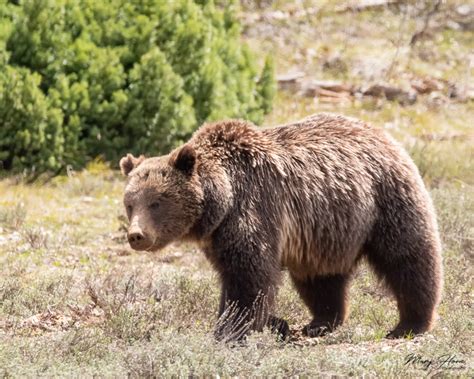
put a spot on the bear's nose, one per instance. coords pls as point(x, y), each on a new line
point(137, 240)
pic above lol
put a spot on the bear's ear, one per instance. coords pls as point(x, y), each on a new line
point(185, 159)
point(129, 162)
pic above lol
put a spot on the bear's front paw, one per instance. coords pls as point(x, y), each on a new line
point(279, 326)
point(316, 329)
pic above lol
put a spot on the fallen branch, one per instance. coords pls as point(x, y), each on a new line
point(366, 5)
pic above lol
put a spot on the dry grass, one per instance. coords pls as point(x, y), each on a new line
point(76, 301)
point(90, 304)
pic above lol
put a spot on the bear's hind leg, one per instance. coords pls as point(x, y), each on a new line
point(415, 280)
point(326, 297)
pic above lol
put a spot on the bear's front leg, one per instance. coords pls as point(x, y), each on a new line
point(279, 326)
point(247, 299)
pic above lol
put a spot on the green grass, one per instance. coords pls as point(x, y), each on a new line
point(76, 301)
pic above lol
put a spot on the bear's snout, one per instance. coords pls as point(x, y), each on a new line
point(138, 240)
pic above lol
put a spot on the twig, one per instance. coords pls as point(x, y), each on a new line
point(422, 31)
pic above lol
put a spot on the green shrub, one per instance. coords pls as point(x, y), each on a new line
point(160, 111)
point(103, 78)
point(31, 130)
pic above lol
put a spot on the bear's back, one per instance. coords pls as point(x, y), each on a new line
point(313, 186)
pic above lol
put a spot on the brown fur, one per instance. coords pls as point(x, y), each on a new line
point(315, 197)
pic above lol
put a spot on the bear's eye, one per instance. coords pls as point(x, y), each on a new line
point(155, 205)
point(129, 209)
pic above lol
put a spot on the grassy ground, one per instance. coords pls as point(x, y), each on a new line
point(76, 301)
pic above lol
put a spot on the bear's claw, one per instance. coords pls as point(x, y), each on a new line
point(316, 330)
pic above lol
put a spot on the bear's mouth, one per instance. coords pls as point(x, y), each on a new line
point(151, 248)
point(155, 246)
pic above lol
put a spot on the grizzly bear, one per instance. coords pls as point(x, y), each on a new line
point(313, 197)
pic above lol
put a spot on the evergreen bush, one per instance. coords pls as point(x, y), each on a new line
point(83, 78)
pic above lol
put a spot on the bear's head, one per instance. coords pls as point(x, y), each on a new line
point(163, 198)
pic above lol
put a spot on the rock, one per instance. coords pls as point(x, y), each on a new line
point(426, 85)
point(465, 9)
point(391, 93)
point(290, 81)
